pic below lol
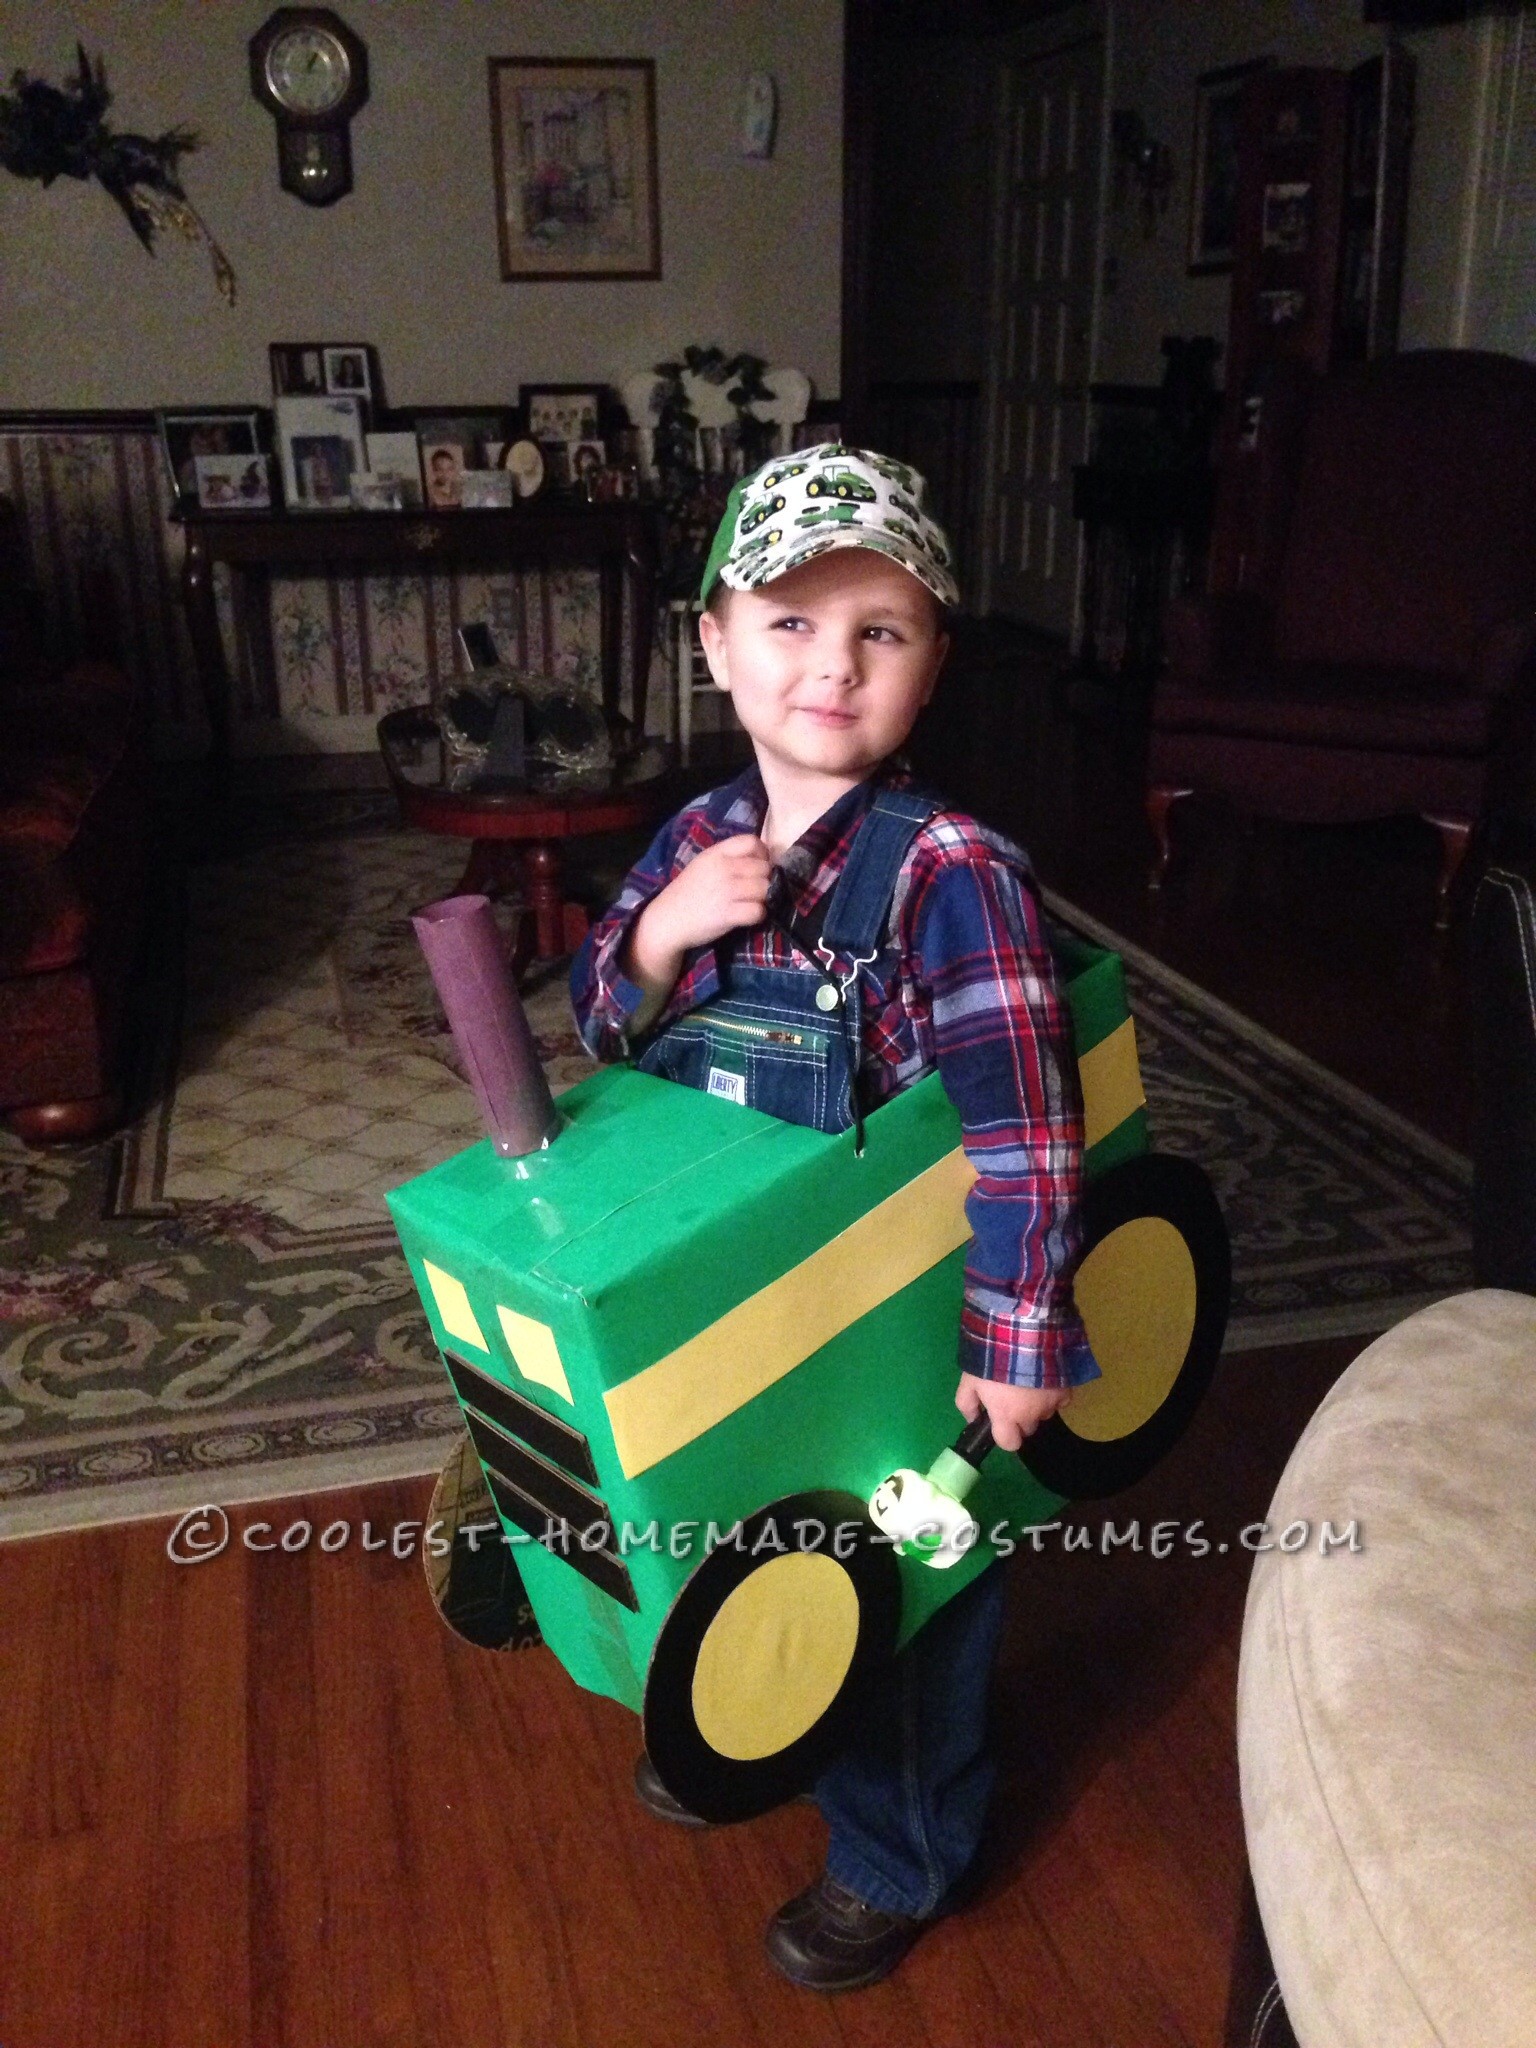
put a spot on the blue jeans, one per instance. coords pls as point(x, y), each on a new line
point(907, 1800)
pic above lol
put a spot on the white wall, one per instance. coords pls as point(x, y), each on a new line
point(1161, 48)
point(750, 251)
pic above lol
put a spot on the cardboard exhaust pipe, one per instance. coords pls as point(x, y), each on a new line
point(490, 1028)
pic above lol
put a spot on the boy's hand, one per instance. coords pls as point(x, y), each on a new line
point(1014, 1412)
point(723, 887)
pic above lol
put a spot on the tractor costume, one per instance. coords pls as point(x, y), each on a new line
point(737, 1301)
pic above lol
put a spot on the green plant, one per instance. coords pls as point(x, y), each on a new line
point(50, 131)
point(692, 502)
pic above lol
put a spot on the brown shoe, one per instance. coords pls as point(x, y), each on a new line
point(826, 1939)
point(655, 1797)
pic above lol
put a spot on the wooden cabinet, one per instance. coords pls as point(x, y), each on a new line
point(1316, 283)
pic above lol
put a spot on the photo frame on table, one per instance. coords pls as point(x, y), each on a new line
point(234, 483)
point(196, 430)
point(588, 210)
point(473, 428)
point(1213, 166)
point(396, 457)
point(524, 463)
point(443, 466)
point(322, 448)
point(485, 490)
point(589, 459)
point(563, 412)
point(556, 457)
point(324, 369)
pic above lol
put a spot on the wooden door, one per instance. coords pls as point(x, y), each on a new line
point(1045, 271)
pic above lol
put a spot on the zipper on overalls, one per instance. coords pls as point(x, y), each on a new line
point(775, 1037)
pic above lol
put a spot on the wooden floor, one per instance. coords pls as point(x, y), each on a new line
point(267, 1801)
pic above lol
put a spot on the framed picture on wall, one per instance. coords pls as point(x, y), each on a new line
point(1213, 167)
point(573, 143)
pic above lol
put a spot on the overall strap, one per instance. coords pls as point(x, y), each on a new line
point(861, 898)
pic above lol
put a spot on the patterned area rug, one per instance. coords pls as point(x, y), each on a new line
point(213, 1307)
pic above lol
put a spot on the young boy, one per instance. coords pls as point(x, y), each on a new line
point(824, 889)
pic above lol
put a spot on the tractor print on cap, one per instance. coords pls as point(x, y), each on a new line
point(841, 483)
point(749, 522)
point(781, 474)
point(760, 545)
point(893, 472)
point(831, 515)
point(909, 506)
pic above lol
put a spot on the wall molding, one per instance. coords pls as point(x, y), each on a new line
point(53, 421)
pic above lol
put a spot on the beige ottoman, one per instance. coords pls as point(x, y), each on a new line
point(1387, 1699)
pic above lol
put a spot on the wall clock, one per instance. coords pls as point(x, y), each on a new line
point(311, 74)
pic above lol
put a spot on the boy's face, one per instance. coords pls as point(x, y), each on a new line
point(829, 665)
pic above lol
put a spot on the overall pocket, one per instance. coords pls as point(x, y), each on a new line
point(731, 1049)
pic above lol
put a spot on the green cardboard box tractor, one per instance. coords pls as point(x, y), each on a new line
point(690, 1341)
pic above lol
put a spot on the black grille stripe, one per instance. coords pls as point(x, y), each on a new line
point(548, 1435)
point(547, 1488)
point(600, 1566)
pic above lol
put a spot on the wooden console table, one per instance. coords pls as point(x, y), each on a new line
point(619, 540)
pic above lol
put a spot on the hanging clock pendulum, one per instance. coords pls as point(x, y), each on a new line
point(311, 74)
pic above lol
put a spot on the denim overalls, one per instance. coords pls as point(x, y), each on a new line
point(785, 1040)
point(905, 1802)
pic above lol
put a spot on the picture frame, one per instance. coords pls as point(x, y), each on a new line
point(472, 427)
point(525, 465)
point(298, 368)
point(324, 369)
point(1214, 166)
point(1286, 226)
point(565, 212)
point(347, 370)
point(233, 483)
point(192, 430)
point(563, 412)
point(443, 466)
point(556, 457)
point(321, 444)
point(397, 457)
point(374, 493)
point(485, 490)
point(589, 459)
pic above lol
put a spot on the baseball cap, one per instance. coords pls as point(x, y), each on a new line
point(802, 505)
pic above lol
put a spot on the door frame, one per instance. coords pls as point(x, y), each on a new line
point(1061, 27)
point(1091, 24)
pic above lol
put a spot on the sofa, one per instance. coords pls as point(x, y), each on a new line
point(74, 793)
point(1387, 1695)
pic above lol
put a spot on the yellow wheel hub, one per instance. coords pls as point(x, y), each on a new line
point(775, 1656)
point(1136, 1293)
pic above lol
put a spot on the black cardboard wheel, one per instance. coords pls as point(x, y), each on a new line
point(758, 1672)
point(1154, 1287)
point(475, 1585)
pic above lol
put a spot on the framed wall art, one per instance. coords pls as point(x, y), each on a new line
point(1213, 168)
point(574, 147)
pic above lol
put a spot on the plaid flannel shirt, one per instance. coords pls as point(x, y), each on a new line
point(974, 996)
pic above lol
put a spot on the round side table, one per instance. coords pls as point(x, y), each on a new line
point(516, 835)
